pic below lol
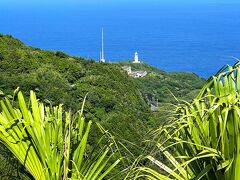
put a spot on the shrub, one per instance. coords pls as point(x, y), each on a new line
point(61, 54)
point(1, 57)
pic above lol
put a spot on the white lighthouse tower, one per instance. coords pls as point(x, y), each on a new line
point(102, 52)
point(136, 60)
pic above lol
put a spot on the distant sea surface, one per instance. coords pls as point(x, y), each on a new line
point(198, 38)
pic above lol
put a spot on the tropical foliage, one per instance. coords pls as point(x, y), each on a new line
point(204, 141)
point(115, 101)
point(53, 144)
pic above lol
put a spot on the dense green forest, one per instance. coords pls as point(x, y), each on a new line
point(118, 102)
point(112, 96)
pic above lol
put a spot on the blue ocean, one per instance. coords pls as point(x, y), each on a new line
point(198, 38)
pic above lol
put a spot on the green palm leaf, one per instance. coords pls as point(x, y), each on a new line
point(50, 143)
point(204, 141)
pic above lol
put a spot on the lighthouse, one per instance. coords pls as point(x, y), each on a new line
point(136, 58)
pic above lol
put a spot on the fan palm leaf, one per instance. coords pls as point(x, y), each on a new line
point(52, 144)
point(204, 140)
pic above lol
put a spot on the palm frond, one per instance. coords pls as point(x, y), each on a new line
point(52, 144)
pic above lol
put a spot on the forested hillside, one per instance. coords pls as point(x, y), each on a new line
point(58, 78)
point(164, 90)
point(163, 86)
point(120, 103)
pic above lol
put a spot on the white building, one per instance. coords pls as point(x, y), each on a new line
point(138, 74)
point(128, 69)
point(135, 74)
point(136, 60)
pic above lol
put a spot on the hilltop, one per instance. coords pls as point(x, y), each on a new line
point(60, 78)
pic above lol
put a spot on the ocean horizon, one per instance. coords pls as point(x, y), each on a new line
point(198, 38)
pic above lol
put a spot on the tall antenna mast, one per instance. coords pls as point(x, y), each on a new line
point(102, 44)
point(102, 53)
